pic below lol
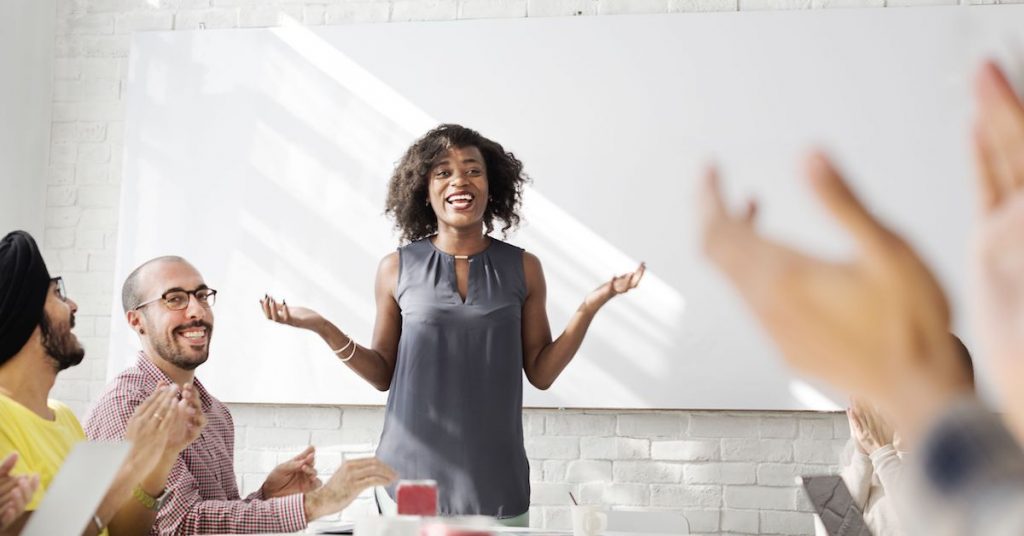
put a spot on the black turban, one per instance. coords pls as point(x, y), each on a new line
point(24, 282)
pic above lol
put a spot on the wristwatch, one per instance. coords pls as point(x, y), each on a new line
point(153, 503)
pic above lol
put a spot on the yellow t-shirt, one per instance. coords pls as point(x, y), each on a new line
point(41, 445)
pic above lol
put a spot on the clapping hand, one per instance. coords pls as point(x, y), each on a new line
point(998, 274)
point(351, 479)
point(15, 492)
point(297, 475)
point(193, 423)
point(152, 424)
point(876, 325)
point(869, 428)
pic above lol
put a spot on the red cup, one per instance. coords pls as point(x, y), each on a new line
point(417, 497)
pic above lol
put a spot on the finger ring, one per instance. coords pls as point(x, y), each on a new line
point(158, 417)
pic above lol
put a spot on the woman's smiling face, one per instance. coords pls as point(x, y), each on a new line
point(458, 187)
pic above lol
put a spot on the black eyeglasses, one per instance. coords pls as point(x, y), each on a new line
point(62, 292)
point(177, 299)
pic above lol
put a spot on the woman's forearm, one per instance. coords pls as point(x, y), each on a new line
point(366, 362)
point(556, 355)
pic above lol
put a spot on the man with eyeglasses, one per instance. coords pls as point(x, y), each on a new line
point(169, 305)
point(36, 435)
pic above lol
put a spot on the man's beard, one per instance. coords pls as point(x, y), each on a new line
point(171, 350)
point(61, 345)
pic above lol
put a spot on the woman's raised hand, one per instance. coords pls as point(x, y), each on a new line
point(619, 284)
point(300, 317)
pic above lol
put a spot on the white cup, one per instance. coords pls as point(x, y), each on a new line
point(388, 526)
point(588, 521)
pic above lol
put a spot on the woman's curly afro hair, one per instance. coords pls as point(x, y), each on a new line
point(407, 190)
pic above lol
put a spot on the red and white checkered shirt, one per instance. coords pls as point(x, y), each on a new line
point(202, 492)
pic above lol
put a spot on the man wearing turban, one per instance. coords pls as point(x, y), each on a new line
point(37, 433)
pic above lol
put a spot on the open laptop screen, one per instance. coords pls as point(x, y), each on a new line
point(834, 505)
point(76, 491)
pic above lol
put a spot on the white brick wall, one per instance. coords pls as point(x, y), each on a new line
point(582, 452)
point(729, 472)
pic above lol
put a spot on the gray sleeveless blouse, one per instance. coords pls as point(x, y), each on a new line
point(455, 406)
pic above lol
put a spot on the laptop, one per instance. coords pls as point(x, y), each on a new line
point(834, 505)
point(335, 528)
point(77, 490)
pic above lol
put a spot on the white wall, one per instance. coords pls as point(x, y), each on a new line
point(728, 473)
point(26, 90)
point(731, 472)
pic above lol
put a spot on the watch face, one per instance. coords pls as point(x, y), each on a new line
point(160, 499)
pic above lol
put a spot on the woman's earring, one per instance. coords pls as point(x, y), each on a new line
point(427, 204)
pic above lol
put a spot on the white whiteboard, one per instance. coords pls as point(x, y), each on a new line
point(263, 155)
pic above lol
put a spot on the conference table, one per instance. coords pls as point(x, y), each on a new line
point(641, 529)
point(318, 528)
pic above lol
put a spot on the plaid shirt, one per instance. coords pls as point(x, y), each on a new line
point(202, 492)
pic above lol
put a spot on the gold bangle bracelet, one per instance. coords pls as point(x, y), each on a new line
point(343, 348)
point(345, 359)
